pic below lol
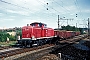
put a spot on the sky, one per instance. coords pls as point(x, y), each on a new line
point(19, 13)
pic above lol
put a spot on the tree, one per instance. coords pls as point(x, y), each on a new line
point(3, 36)
point(70, 28)
point(12, 38)
point(19, 33)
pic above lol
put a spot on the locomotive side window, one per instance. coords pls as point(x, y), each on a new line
point(40, 25)
point(45, 25)
point(32, 25)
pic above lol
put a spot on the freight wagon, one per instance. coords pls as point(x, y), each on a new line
point(63, 34)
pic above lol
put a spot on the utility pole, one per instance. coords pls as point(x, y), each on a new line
point(88, 27)
point(76, 26)
point(58, 22)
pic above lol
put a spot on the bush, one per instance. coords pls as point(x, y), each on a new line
point(12, 38)
point(4, 35)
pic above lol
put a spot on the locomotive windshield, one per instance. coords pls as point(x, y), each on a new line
point(38, 24)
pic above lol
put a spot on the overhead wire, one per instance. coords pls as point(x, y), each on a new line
point(13, 4)
point(62, 6)
point(14, 13)
point(47, 7)
point(78, 8)
point(28, 9)
point(39, 2)
point(17, 6)
point(52, 8)
point(65, 9)
point(59, 5)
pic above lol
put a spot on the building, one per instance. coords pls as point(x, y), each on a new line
point(12, 33)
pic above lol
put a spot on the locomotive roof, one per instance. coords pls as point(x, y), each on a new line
point(38, 23)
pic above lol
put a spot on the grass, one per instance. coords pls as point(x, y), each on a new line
point(10, 43)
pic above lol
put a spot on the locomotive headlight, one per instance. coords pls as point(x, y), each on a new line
point(33, 37)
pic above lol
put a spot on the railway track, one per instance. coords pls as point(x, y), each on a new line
point(74, 39)
point(36, 55)
point(66, 48)
point(5, 47)
point(13, 54)
point(36, 52)
point(40, 54)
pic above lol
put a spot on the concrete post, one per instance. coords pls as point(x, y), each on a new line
point(18, 37)
point(59, 55)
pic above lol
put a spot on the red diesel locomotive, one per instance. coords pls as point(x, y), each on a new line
point(38, 34)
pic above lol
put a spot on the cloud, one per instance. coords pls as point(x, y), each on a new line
point(28, 11)
point(31, 20)
point(72, 14)
point(23, 4)
point(87, 11)
point(13, 16)
point(1, 14)
point(22, 7)
point(6, 20)
point(18, 12)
